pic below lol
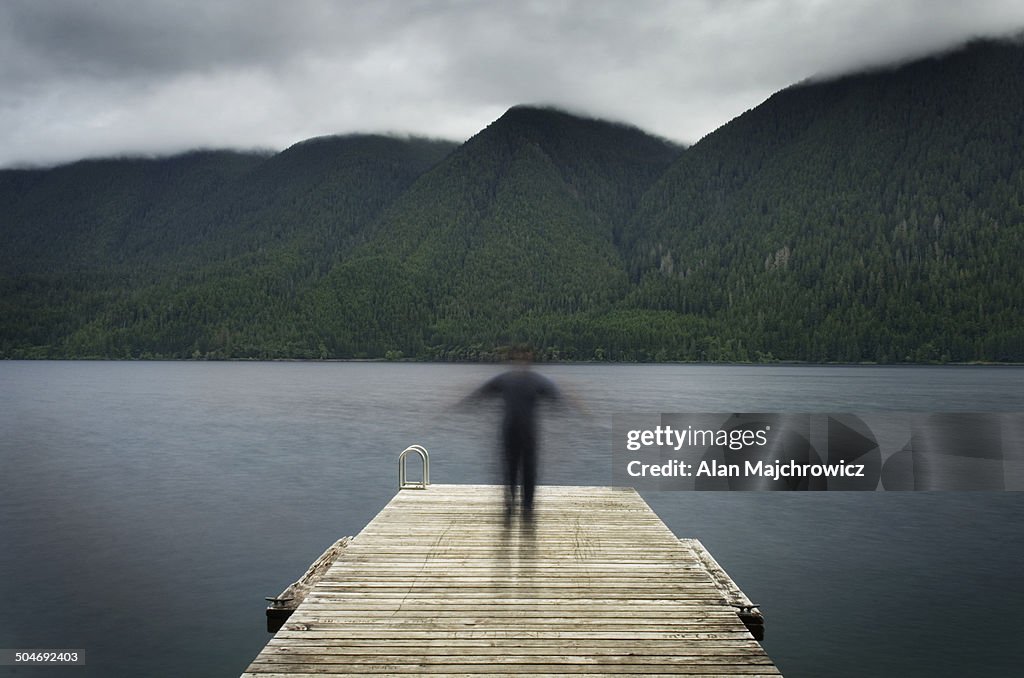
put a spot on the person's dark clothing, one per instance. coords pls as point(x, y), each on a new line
point(520, 390)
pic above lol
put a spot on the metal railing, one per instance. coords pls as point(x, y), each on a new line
point(403, 482)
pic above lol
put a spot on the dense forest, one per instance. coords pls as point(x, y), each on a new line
point(876, 217)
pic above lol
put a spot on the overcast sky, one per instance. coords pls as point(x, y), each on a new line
point(81, 78)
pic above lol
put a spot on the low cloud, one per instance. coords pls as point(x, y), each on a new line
point(88, 79)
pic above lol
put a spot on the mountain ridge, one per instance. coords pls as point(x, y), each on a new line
point(873, 168)
point(875, 217)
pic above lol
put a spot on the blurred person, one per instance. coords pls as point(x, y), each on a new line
point(521, 390)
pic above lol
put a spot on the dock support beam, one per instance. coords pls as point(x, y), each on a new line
point(282, 606)
point(748, 612)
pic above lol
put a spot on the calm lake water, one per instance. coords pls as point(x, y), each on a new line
point(147, 508)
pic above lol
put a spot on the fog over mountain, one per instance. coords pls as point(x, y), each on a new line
point(149, 77)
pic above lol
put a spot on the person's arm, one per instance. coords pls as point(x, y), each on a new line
point(490, 388)
point(564, 398)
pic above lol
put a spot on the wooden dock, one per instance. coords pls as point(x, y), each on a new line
point(438, 584)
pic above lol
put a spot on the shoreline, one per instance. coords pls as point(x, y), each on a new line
point(775, 363)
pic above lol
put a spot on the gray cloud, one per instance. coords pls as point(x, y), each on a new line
point(83, 79)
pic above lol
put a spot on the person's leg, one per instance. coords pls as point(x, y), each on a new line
point(529, 461)
point(511, 476)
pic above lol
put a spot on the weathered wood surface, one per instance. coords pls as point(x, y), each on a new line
point(438, 585)
point(282, 607)
point(748, 612)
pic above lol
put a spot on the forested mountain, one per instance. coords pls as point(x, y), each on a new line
point(514, 229)
point(873, 217)
point(98, 214)
point(204, 254)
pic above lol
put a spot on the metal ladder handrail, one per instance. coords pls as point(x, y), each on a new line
point(403, 483)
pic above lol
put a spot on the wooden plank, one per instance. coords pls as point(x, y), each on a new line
point(296, 674)
point(520, 645)
point(506, 635)
point(521, 660)
point(437, 584)
point(484, 671)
